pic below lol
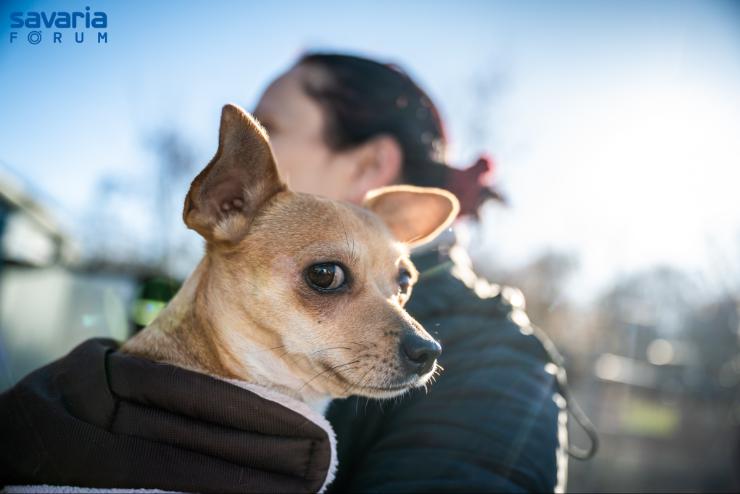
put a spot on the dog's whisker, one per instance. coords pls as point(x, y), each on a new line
point(361, 382)
point(360, 344)
point(316, 351)
point(330, 348)
point(271, 349)
point(330, 369)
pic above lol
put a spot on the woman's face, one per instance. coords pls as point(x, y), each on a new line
point(295, 123)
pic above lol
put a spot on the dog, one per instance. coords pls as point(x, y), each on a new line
point(297, 293)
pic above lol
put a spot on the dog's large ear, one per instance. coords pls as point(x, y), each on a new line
point(414, 215)
point(225, 196)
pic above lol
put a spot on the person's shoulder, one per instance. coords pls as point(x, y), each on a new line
point(464, 309)
point(447, 281)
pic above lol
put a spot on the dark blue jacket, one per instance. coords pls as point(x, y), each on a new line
point(488, 423)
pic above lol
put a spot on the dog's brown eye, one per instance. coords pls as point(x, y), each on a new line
point(326, 276)
point(404, 281)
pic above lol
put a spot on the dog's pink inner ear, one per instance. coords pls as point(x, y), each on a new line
point(414, 215)
point(226, 195)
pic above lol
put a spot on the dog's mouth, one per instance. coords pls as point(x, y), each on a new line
point(376, 391)
point(390, 390)
point(383, 392)
point(396, 386)
point(387, 388)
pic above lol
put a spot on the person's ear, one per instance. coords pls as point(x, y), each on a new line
point(414, 215)
point(377, 163)
point(224, 197)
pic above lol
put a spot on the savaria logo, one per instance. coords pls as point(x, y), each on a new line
point(58, 20)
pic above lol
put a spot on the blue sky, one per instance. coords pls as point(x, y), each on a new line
point(614, 124)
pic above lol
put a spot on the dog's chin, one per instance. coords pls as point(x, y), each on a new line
point(380, 393)
point(395, 390)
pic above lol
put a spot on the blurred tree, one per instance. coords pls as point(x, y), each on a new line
point(643, 306)
point(133, 219)
point(543, 283)
point(175, 164)
point(714, 331)
point(107, 236)
point(485, 91)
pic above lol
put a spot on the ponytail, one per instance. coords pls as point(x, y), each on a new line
point(362, 98)
point(470, 185)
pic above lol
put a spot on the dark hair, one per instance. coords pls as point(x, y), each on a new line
point(363, 98)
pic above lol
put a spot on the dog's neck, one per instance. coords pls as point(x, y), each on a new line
point(196, 332)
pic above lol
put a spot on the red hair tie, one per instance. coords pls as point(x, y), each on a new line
point(470, 185)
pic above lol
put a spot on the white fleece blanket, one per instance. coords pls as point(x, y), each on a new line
point(268, 394)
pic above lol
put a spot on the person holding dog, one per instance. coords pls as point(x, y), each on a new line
point(494, 420)
point(169, 410)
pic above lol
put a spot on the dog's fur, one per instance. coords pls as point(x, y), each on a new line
point(247, 312)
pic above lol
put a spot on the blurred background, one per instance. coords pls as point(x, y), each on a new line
point(614, 126)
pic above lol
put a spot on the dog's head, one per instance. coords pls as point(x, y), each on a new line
point(318, 284)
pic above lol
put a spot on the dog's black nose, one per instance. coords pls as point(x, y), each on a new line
point(419, 353)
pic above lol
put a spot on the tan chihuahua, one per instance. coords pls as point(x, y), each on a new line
point(297, 293)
